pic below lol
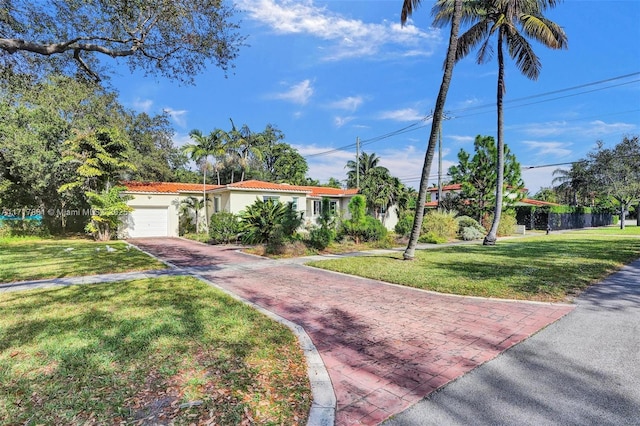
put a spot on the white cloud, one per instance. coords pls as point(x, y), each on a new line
point(178, 116)
point(298, 93)
point(406, 114)
point(143, 105)
point(460, 138)
point(557, 149)
point(341, 121)
point(350, 103)
point(181, 139)
point(348, 38)
point(592, 129)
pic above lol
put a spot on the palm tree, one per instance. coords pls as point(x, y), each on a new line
point(249, 148)
point(511, 21)
point(407, 10)
point(199, 152)
point(192, 203)
point(365, 165)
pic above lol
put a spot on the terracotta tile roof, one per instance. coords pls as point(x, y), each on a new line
point(450, 187)
point(166, 187)
point(313, 191)
point(537, 202)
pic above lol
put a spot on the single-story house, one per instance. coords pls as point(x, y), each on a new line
point(156, 205)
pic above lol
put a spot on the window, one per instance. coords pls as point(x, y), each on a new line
point(275, 198)
point(317, 207)
point(333, 207)
point(216, 204)
point(294, 203)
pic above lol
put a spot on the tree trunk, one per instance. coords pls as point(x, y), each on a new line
point(623, 211)
point(204, 198)
point(492, 236)
point(638, 215)
point(409, 253)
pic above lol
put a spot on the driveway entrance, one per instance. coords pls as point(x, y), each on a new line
point(385, 346)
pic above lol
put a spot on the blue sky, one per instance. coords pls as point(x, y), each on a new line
point(327, 72)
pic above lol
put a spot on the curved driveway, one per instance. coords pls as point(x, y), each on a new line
point(385, 346)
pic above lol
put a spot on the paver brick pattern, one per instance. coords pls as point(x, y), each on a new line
point(385, 346)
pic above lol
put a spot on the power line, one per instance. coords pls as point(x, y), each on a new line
point(415, 126)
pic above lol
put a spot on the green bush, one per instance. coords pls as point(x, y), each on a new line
point(404, 225)
point(470, 233)
point(439, 227)
point(469, 229)
point(373, 230)
point(507, 225)
point(269, 222)
point(224, 228)
point(320, 238)
point(432, 238)
point(23, 228)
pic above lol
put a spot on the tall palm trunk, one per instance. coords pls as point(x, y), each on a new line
point(492, 236)
point(409, 253)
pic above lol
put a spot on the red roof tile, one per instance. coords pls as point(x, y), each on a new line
point(166, 187)
point(450, 187)
point(176, 187)
point(537, 202)
point(313, 191)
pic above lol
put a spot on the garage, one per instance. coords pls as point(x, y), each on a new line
point(148, 222)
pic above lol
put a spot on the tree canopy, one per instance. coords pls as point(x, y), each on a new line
point(174, 39)
point(477, 176)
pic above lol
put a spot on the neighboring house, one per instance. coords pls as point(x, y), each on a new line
point(156, 205)
point(456, 188)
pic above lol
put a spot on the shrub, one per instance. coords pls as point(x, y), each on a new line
point(269, 221)
point(404, 225)
point(224, 228)
point(439, 227)
point(320, 238)
point(470, 233)
point(373, 230)
point(469, 228)
point(507, 225)
point(22, 228)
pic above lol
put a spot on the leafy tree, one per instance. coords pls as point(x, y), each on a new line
point(511, 22)
point(478, 175)
point(108, 206)
point(615, 172)
point(333, 183)
point(381, 190)
point(455, 16)
point(283, 163)
point(99, 157)
point(153, 153)
point(573, 184)
point(547, 194)
point(162, 37)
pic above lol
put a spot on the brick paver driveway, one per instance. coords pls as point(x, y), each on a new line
point(385, 346)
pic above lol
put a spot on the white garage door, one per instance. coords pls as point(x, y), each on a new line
point(148, 222)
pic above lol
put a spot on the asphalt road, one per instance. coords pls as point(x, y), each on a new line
point(581, 370)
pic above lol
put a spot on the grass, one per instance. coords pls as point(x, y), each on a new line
point(630, 230)
point(24, 259)
point(153, 351)
point(545, 268)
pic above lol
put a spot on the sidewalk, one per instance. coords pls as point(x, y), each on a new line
point(581, 370)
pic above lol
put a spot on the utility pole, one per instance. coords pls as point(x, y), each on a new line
point(444, 117)
point(358, 162)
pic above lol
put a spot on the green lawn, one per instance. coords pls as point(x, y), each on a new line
point(32, 259)
point(630, 230)
point(546, 268)
point(124, 352)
